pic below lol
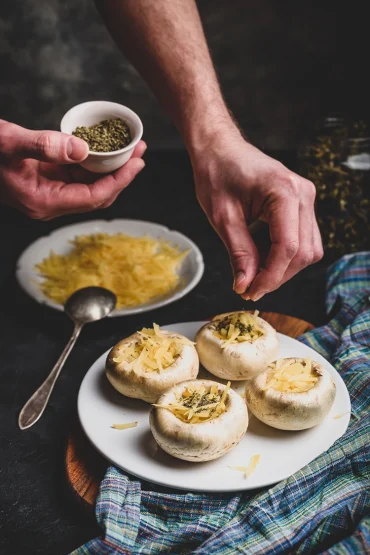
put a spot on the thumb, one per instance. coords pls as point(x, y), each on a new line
point(47, 146)
point(242, 251)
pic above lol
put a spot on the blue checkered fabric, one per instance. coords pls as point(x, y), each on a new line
point(323, 508)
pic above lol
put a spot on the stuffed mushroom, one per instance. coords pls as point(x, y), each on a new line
point(199, 420)
point(151, 361)
point(292, 394)
point(237, 345)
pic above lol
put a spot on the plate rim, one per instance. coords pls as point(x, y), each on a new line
point(43, 300)
point(241, 487)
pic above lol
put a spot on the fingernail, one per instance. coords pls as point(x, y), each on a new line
point(247, 298)
point(259, 296)
point(76, 149)
point(240, 276)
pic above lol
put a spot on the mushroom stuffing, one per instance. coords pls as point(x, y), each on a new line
point(149, 362)
point(199, 420)
point(237, 345)
point(291, 394)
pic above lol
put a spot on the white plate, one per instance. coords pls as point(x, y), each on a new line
point(190, 271)
point(135, 451)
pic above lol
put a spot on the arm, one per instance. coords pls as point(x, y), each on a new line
point(164, 39)
point(235, 182)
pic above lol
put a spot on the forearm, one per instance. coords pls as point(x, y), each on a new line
point(235, 182)
point(164, 40)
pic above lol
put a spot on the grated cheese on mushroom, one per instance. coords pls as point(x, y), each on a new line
point(154, 351)
point(292, 376)
point(196, 405)
point(237, 328)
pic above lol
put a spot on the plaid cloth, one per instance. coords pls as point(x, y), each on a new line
point(323, 508)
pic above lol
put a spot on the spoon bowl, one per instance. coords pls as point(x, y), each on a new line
point(90, 304)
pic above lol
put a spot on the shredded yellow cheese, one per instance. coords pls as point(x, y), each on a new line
point(136, 269)
point(196, 405)
point(124, 426)
point(337, 416)
point(238, 327)
point(154, 351)
point(293, 376)
point(248, 470)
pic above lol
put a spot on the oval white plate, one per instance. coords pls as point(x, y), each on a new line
point(135, 451)
point(190, 272)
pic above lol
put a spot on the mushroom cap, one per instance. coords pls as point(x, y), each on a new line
point(237, 361)
point(289, 410)
point(147, 385)
point(202, 441)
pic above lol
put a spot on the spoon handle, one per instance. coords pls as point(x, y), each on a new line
point(35, 406)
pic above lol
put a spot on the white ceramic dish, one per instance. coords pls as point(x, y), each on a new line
point(90, 113)
point(190, 272)
point(135, 451)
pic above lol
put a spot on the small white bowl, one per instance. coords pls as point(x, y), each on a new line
point(90, 113)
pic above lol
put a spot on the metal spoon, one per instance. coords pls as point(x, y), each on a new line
point(85, 305)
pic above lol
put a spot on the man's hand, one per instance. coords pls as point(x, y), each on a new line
point(38, 176)
point(236, 184)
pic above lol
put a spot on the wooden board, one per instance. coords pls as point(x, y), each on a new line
point(85, 467)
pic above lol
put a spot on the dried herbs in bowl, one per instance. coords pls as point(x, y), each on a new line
point(107, 136)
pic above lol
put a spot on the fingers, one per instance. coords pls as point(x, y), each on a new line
point(57, 194)
point(78, 197)
point(111, 185)
point(317, 242)
point(231, 226)
point(139, 149)
point(310, 246)
point(295, 236)
point(282, 215)
point(81, 175)
point(305, 253)
point(47, 146)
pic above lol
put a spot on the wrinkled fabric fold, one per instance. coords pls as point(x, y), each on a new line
point(323, 508)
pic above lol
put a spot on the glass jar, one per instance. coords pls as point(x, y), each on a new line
point(337, 161)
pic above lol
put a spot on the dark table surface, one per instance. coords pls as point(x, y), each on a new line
point(38, 515)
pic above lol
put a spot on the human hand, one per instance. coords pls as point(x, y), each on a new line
point(38, 175)
point(236, 184)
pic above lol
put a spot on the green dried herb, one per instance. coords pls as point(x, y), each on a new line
point(107, 136)
point(343, 194)
point(225, 323)
point(199, 400)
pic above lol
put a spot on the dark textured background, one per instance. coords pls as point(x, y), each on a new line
point(281, 64)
